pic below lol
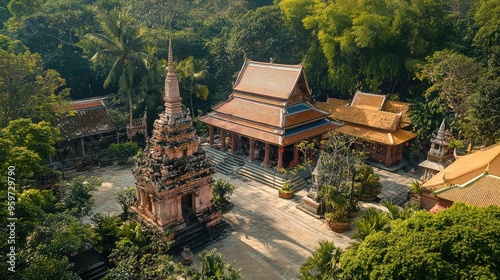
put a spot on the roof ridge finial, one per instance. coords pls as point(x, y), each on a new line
point(486, 171)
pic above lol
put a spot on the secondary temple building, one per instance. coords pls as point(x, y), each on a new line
point(173, 175)
point(376, 120)
point(266, 114)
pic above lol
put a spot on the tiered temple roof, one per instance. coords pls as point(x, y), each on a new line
point(370, 117)
point(270, 103)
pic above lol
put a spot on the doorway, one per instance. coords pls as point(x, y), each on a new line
point(188, 212)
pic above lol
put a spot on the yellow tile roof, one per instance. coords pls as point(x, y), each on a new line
point(466, 168)
point(370, 134)
point(337, 101)
point(482, 191)
point(371, 118)
point(368, 101)
point(396, 107)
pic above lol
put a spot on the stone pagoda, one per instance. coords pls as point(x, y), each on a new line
point(173, 175)
point(439, 155)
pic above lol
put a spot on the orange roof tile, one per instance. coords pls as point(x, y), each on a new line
point(483, 191)
point(370, 134)
point(258, 98)
point(268, 79)
point(305, 115)
point(466, 168)
point(368, 101)
point(252, 111)
point(86, 104)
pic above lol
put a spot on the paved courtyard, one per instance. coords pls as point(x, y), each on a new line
point(268, 237)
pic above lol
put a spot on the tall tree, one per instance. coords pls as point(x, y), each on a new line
point(24, 83)
point(192, 75)
point(122, 42)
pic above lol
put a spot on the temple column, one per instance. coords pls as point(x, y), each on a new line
point(251, 149)
point(138, 195)
point(233, 143)
point(222, 140)
point(144, 199)
point(178, 200)
point(280, 159)
point(295, 155)
point(211, 135)
point(266, 154)
point(151, 199)
point(83, 147)
point(388, 155)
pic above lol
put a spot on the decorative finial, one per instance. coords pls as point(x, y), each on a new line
point(170, 57)
point(441, 131)
point(487, 169)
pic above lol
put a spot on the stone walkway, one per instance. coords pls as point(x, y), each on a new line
point(269, 237)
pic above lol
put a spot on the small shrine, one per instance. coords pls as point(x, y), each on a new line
point(439, 155)
point(173, 175)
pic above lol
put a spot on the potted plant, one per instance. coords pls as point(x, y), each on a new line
point(353, 209)
point(286, 191)
point(338, 221)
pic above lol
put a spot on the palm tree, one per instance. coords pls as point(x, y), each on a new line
point(123, 43)
point(323, 264)
point(214, 267)
point(192, 72)
point(370, 222)
point(370, 182)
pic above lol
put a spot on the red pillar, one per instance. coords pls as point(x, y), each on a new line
point(252, 149)
point(211, 134)
point(233, 143)
point(222, 140)
point(295, 156)
point(280, 159)
point(266, 156)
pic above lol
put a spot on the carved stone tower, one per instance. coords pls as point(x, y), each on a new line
point(173, 175)
point(439, 154)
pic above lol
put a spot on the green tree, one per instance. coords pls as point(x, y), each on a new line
point(192, 74)
point(426, 114)
point(24, 83)
point(214, 267)
point(222, 190)
point(324, 262)
point(76, 196)
point(123, 43)
point(457, 243)
point(107, 229)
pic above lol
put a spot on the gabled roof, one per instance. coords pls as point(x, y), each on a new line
point(466, 168)
point(483, 191)
point(388, 138)
point(90, 118)
point(366, 117)
point(368, 101)
point(398, 107)
point(269, 79)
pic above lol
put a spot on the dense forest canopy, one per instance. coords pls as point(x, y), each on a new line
point(401, 48)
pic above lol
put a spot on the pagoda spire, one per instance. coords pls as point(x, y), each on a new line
point(172, 95)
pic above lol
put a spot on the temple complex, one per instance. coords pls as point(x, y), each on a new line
point(173, 175)
point(439, 156)
point(267, 114)
point(376, 120)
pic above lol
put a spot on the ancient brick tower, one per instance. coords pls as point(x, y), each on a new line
point(173, 175)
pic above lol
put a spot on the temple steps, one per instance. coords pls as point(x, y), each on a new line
point(215, 156)
point(97, 271)
point(225, 163)
point(269, 178)
point(197, 236)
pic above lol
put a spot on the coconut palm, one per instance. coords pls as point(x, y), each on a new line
point(214, 267)
point(369, 181)
point(192, 73)
point(323, 264)
point(123, 43)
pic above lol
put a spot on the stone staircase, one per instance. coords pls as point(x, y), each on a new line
point(97, 271)
point(196, 236)
point(224, 163)
point(89, 265)
point(269, 178)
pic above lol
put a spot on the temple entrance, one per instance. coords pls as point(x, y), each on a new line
point(188, 213)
